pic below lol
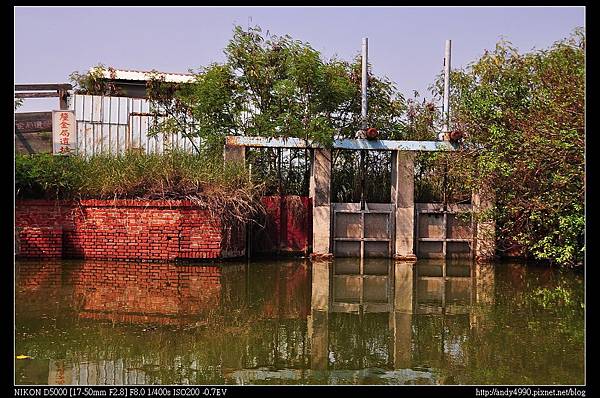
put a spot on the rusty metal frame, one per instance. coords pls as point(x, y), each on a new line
point(371, 208)
point(437, 208)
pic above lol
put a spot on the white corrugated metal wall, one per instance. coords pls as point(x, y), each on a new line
point(116, 124)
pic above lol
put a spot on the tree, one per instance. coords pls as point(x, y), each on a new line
point(93, 82)
point(276, 86)
point(524, 116)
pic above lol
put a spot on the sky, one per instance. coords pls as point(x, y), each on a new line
point(406, 44)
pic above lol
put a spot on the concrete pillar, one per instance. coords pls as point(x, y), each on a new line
point(403, 196)
point(318, 321)
point(320, 191)
point(485, 239)
point(234, 154)
point(402, 314)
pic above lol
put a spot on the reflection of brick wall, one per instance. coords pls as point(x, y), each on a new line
point(286, 290)
point(143, 289)
point(123, 229)
point(121, 291)
point(33, 277)
point(36, 284)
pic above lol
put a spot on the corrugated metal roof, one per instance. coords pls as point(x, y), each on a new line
point(139, 75)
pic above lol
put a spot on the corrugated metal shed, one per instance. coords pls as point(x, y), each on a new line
point(117, 124)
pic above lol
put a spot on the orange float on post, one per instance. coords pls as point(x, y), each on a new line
point(456, 135)
point(372, 133)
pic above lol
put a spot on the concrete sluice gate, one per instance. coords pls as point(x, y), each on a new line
point(399, 228)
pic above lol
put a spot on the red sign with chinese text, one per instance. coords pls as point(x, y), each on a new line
point(63, 132)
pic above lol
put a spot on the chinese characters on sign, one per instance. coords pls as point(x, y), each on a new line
point(63, 132)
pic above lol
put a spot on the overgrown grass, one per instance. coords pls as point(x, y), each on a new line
point(203, 179)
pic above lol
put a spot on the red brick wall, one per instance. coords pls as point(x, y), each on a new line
point(40, 242)
point(123, 229)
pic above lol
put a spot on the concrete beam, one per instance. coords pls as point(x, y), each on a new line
point(320, 178)
point(234, 154)
point(346, 143)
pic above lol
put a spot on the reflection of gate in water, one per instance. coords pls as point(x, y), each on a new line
point(360, 284)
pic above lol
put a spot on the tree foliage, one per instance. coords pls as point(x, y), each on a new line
point(524, 116)
point(277, 86)
point(93, 82)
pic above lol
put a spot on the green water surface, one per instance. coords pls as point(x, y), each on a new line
point(293, 322)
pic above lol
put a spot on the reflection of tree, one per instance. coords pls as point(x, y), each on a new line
point(523, 342)
point(359, 340)
point(170, 354)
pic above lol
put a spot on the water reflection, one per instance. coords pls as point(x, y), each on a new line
point(346, 322)
point(380, 314)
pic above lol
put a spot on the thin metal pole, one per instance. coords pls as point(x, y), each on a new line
point(447, 60)
point(363, 112)
point(365, 77)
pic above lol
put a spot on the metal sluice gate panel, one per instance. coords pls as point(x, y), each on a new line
point(366, 233)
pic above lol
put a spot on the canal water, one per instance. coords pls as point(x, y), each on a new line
point(293, 322)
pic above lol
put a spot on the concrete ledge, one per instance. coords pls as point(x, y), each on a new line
point(169, 203)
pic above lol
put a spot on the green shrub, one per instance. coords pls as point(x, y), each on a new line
point(203, 179)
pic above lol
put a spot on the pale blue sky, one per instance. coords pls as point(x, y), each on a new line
point(405, 43)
